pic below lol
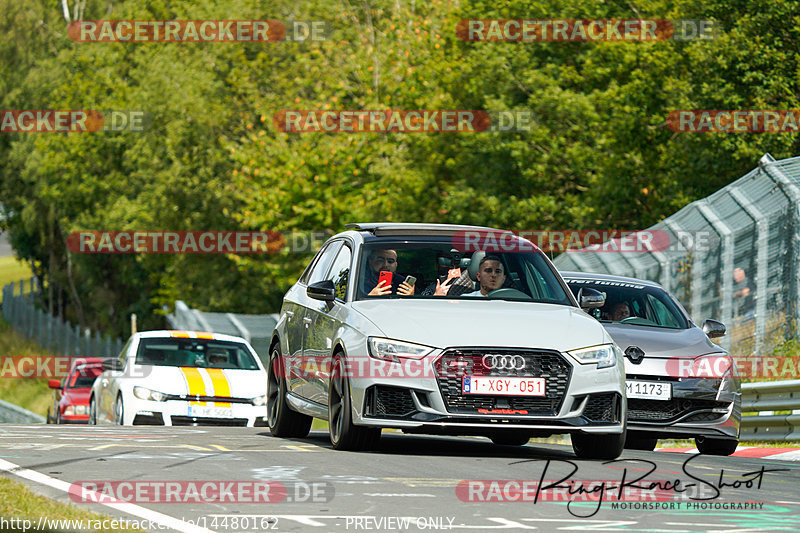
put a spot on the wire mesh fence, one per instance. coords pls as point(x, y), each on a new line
point(732, 256)
point(52, 333)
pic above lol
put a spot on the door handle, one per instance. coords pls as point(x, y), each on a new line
point(290, 314)
point(307, 320)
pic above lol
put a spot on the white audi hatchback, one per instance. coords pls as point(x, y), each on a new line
point(443, 329)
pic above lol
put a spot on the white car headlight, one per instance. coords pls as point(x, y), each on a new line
point(605, 355)
point(144, 393)
point(259, 400)
point(390, 349)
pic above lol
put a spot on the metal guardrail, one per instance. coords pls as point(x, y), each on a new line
point(14, 414)
point(764, 398)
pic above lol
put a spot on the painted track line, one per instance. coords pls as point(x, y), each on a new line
point(753, 452)
point(129, 508)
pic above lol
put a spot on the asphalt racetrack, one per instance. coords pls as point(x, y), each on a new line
point(243, 479)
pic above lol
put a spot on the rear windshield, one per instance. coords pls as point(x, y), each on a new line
point(200, 353)
point(632, 303)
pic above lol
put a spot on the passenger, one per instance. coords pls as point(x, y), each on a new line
point(491, 276)
point(620, 311)
point(384, 260)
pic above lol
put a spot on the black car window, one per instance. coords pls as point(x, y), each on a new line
point(340, 272)
point(201, 353)
point(84, 376)
point(322, 262)
point(647, 305)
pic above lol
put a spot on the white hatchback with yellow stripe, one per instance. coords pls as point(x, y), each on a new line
point(181, 378)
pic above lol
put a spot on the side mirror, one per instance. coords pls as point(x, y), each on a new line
point(713, 329)
point(590, 298)
point(112, 364)
point(322, 290)
point(54, 384)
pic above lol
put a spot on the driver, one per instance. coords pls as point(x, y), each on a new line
point(491, 276)
point(620, 312)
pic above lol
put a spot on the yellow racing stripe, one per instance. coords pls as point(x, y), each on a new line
point(221, 385)
point(195, 382)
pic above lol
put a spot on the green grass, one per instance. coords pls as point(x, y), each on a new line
point(17, 501)
point(13, 270)
point(30, 394)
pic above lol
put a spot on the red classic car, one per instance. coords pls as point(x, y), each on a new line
point(70, 403)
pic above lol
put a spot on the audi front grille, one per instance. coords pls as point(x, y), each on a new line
point(456, 363)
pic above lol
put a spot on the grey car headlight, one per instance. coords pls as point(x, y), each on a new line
point(144, 393)
point(389, 349)
point(605, 355)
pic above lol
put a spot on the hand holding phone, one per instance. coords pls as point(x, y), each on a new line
point(386, 277)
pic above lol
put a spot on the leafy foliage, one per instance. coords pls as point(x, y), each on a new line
point(599, 154)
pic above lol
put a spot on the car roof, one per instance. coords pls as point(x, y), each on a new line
point(88, 361)
point(380, 229)
point(606, 277)
point(174, 333)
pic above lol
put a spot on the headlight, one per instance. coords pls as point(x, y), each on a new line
point(390, 350)
point(80, 409)
point(146, 394)
point(605, 355)
point(259, 400)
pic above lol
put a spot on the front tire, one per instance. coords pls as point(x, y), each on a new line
point(708, 446)
point(591, 446)
point(343, 433)
point(119, 412)
point(92, 412)
point(282, 421)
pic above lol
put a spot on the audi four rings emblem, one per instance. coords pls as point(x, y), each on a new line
point(503, 362)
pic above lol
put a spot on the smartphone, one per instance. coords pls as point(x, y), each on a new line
point(454, 273)
point(411, 280)
point(385, 276)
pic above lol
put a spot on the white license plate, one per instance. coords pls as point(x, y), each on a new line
point(649, 390)
point(503, 386)
point(210, 412)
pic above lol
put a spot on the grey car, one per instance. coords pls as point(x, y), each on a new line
point(679, 383)
point(430, 329)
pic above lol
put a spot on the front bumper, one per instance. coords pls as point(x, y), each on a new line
point(177, 413)
point(700, 407)
point(577, 397)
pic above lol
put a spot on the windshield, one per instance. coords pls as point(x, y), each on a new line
point(200, 353)
point(632, 303)
point(84, 375)
point(435, 269)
